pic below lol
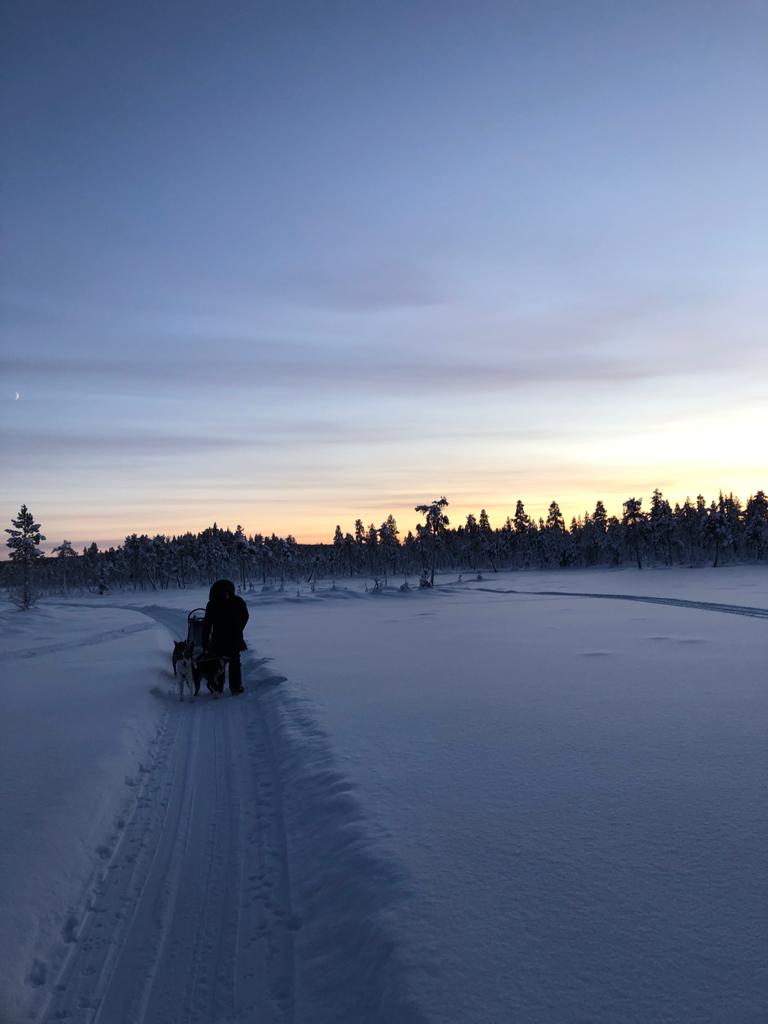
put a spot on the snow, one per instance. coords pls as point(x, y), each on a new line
point(78, 719)
point(454, 805)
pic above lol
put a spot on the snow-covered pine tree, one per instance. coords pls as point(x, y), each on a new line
point(600, 518)
point(161, 560)
point(183, 565)
point(64, 552)
point(389, 544)
point(522, 519)
point(524, 529)
point(349, 553)
point(436, 522)
point(91, 560)
point(24, 544)
point(661, 525)
point(507, 546)
point(575, 544)
point(372, 548)
point(756, 523)
point(265, 557)
point(614, 541)
point(633, 521)
point(487, 538)
point(555, 520)
point(286, 555)
point(686, 519)
point(471, 541)
point(243, 554)
point(595, 527)
point(702, 516)
point(718, 530)
point(730, 507)
point(554, 535)
point(358, 553)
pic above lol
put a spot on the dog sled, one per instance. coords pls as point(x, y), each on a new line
point(205, 665)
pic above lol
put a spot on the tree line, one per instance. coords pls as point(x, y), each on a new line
point(692, 533)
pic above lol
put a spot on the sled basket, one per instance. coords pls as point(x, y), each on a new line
point(195, 631)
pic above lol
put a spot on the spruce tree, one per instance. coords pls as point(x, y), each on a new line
point(522, 519)
point(633, 521)
point(554, 534)
point(600, 518)
point(24, 540)
point(388, 543)
point(661, 524)
point(486, 538)
point(718, 530)
point(756, 523)
point(64, 553)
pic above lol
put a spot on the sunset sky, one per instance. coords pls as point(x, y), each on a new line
point(287, 264)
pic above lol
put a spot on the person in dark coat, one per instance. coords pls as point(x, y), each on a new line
point(225, 617)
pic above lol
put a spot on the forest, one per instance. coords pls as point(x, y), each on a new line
point(693, 533)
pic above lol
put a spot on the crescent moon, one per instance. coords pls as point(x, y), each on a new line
point(18, 396)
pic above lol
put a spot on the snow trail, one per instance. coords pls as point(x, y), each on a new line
point(69, 645)
point(189, 920)
point(195, 919)
point(675, 602)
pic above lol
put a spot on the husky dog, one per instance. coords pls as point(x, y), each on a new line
point(185, 673)
point(179, 651)
point(211, 668)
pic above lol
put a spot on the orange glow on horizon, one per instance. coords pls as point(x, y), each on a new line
point(312, 527)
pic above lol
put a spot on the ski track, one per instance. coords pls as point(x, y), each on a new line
point(191, 922)
point(674, 602)
point(90, 641)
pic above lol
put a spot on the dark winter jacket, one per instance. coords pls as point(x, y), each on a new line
point(225, 617)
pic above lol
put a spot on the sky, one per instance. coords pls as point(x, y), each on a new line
point(288, 264)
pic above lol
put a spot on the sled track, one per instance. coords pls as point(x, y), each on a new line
point(195, 918)
point(91, 641)
point(191, 920)
point(674, 602)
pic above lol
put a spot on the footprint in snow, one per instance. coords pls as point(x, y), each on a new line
point(69, 931)
point(37, 976)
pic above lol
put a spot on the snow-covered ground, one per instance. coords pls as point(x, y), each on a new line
point(494, 801)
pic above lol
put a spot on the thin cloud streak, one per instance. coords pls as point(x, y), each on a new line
point(405, 376)
point(302, 437)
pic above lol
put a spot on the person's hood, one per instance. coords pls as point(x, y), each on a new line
point(221, 590)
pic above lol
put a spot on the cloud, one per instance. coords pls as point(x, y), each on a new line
point(141, 445)
point(396, 373)
point(304, 438)
point(459, 352)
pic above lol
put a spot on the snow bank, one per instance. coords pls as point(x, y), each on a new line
point(345, 892)
point(77, 720)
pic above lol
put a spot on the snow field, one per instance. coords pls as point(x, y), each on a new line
point(574, 787)
point(458, 805)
